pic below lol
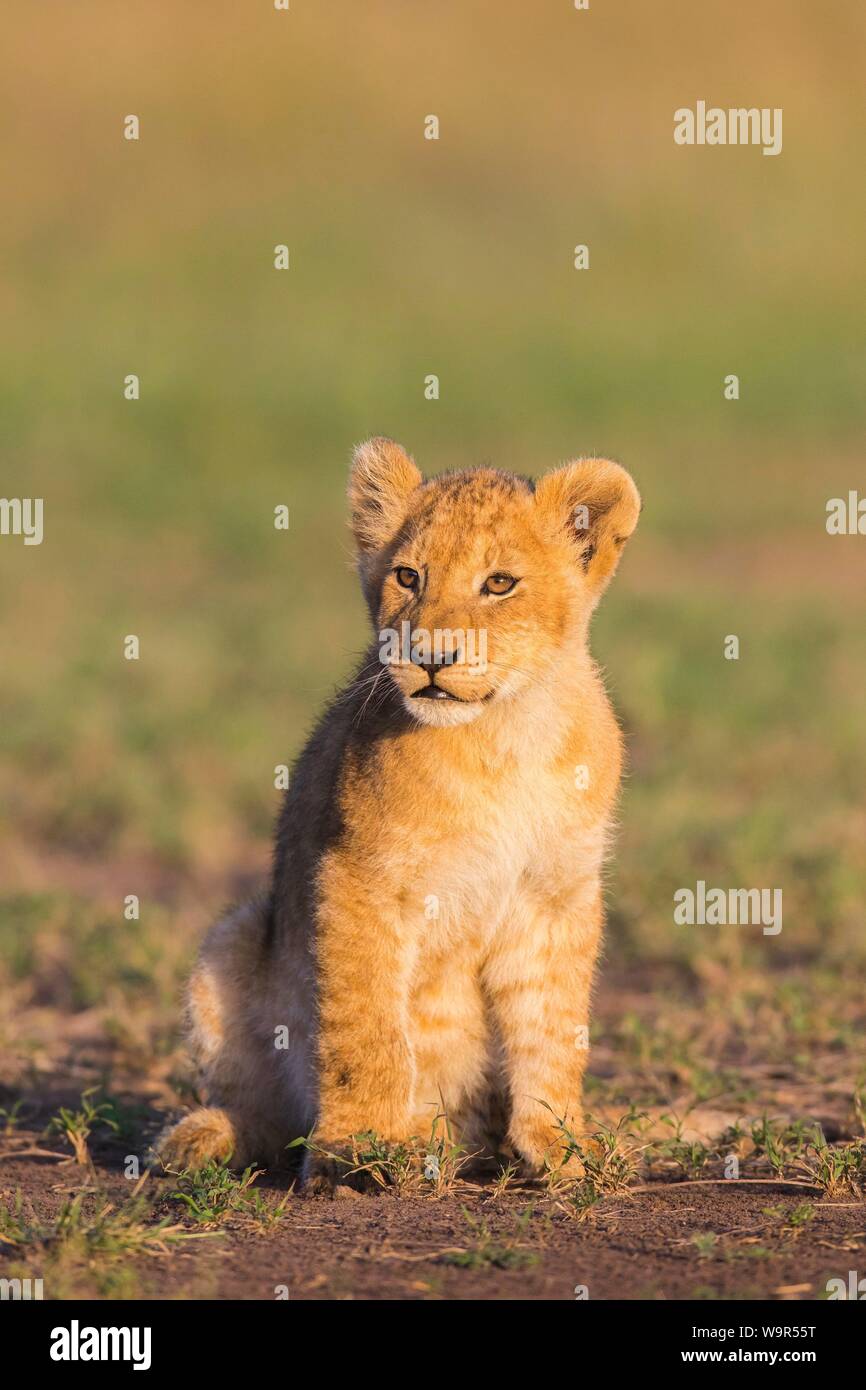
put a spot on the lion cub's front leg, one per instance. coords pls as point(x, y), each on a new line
point(366, 1067)
point(539, 977)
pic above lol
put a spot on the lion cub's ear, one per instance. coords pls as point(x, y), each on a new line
point(596, 505)
point(380, 482)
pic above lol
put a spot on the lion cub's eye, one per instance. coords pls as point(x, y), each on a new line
point(406, 578)
point(498, 584)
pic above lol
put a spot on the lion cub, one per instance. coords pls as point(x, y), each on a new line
point(428, 939)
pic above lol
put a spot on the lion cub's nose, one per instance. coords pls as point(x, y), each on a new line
point(436, 661)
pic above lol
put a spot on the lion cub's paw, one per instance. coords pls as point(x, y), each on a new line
point(330, 1175)
point(543, 1151)
point(197, 1139)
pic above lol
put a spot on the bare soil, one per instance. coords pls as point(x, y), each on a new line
point(669, 1238)
point(389, 1247)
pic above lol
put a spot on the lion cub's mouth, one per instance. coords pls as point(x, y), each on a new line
point(438, 692)
point(434, 692)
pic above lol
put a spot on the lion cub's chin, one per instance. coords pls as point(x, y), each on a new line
point(443, 714)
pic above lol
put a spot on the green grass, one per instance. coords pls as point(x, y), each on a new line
point(487, 1250)
point(88, 1245)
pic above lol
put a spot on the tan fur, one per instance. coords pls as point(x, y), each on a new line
point(436, 912)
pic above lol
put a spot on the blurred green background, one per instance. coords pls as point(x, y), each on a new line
point(411, 257)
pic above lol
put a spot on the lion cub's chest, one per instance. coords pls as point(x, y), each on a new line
point(494, 850)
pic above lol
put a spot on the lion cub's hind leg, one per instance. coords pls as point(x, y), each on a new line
point(246, 1118)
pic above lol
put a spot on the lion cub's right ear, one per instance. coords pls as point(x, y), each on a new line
point(380, 482)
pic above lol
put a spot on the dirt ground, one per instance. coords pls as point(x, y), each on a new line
point(673, 1235)
point(406, 1248)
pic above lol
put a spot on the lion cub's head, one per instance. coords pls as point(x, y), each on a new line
point(480, 582)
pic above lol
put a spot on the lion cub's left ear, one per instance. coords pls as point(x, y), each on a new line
point(595, 504)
